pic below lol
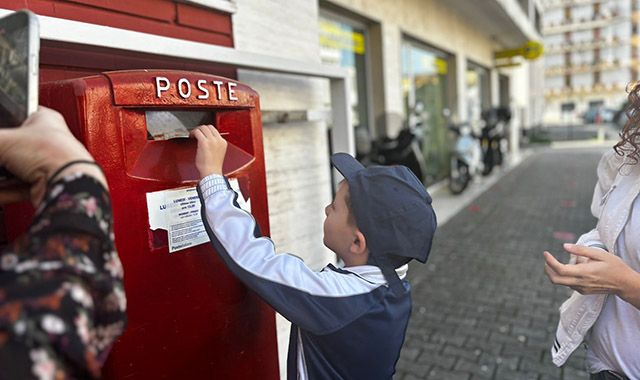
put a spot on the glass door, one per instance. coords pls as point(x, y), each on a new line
point(425, 76)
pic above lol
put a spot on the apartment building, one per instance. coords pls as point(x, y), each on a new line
point(591, 54)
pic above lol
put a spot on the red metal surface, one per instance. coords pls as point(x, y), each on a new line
point(158, 17)
point(189, 318)
point(194, 17)
point(156, 9)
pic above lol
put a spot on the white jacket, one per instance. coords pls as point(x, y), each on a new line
point(579, 313)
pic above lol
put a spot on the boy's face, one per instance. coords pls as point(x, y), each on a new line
point(338, 231)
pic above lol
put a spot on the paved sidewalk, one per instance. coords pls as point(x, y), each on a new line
point(482, 305)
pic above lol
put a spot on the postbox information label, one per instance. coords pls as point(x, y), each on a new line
point(177, 212)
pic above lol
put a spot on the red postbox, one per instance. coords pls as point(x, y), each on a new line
point(189, 318)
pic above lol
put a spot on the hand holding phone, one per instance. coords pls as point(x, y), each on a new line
point(36, 150)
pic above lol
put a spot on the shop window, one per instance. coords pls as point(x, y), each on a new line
point(478, 91)
point(343, 43)
point(425, 86)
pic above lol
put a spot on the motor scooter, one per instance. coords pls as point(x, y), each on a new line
point(494, 133)
point(402, 150)
point(466, 157)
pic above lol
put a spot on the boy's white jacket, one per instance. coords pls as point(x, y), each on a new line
point(580, 312)
point(346, 323)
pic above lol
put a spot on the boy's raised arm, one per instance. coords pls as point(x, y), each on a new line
point(320, 302)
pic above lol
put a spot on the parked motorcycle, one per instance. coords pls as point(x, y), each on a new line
point(466, 157)
point(494, 133)
point(402, 150)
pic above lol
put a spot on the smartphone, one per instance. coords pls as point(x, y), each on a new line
point(19, 52)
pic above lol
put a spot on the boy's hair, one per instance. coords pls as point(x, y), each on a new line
point(393, 210)
point(351, 218)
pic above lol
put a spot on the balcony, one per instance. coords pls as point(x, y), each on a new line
point(584, 45)
point(585, 68)
point(505, 21)
point(567, 3)
point(583, 24)
point(596, 89)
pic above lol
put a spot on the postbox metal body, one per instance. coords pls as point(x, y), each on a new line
point(189, 318)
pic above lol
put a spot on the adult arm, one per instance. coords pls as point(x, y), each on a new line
point(606, 171)
point(62, 302)
point(592, 269)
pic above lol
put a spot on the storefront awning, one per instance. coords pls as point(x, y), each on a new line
point(504, 20)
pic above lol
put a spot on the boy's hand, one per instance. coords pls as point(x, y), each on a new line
point(211, 150)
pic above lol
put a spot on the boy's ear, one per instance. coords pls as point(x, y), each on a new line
point(359, 244)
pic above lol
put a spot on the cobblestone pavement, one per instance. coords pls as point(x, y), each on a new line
point(483, 307)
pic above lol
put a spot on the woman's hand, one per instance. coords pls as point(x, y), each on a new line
point(603, 273)
point(35, 150)
point(211, 150)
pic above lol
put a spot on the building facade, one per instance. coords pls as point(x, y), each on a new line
point(591, 54)
point(417, 59)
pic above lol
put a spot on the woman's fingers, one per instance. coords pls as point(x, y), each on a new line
point(555, 265)
point(584, 251)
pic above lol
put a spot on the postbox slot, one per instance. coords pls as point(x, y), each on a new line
point(165, 125)
point(170, 156)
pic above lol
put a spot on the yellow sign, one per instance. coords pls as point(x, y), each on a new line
point(530, 50)
point(441, 66)
point(514, 64)
point(332, 36)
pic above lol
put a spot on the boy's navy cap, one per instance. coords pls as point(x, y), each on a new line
point(393, 211)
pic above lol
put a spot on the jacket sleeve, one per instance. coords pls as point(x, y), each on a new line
point(62, 302)
point(607, 170)
point(320, 302)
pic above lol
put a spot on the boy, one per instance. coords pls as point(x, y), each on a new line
point(347, 323)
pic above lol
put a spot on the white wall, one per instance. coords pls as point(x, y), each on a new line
point(582, 12)
point(296, 154)
point(554, 82)
point(553, 59)
point(582, 80)
point(553, 17)
point(297, 188)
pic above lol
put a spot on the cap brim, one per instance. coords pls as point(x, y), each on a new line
point(346, 164)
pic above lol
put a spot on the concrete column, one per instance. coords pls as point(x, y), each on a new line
point(392, 46)
point(494, 82)
point(342, 137)
point(461, 85)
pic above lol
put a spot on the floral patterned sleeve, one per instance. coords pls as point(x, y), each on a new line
point(62, 302)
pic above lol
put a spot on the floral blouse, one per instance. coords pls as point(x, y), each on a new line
point(62, 301)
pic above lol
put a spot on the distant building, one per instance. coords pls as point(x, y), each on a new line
point(591, 54)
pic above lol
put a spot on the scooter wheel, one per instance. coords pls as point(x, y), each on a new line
point(457, 185)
